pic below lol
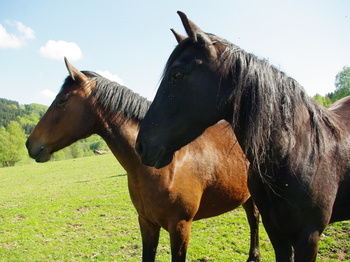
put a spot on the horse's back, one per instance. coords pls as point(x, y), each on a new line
point(342, 108)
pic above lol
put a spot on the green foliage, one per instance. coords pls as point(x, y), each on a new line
point(339, 94)
point(36, 109)
point(12, 141)
point(322, 100)
point(98, 145)
point(9, 111)
point(342, 79)
point(33, 113)
point(81, 148)
point(342, 84)
point(27, 115)
point(80, 210)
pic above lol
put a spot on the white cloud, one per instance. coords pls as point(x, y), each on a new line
point(47, 93)
point(56, 50)
point(10, 40)
point(110, 76)
point(26, 31)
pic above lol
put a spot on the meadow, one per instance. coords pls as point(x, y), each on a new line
point(80, 210)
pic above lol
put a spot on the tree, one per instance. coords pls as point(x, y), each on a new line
point(4, 137)
point(322, 100)
point(28, 122)
point(76, 150)
point(342, 85)
point(9, 110)
point(31, 116)
point(339, 94)
point(342, 79)
point(99, 145)
point(12, 141)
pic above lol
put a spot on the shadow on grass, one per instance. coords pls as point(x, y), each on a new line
point(86, 181)
point(119, 175)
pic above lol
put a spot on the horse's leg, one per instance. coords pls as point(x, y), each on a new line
point(179, 237)
point(150, 237)
point(282, 245)
point(305, 249)
point(253, 220)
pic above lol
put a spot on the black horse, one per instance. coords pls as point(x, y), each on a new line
point(299, 151)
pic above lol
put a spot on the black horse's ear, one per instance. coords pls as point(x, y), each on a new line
point(179, 38)
point(197, 35)
point(75, 73)
point(193, 30)
point(190, 27)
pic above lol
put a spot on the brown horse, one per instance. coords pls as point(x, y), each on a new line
point(167, 198)
point(299, 152)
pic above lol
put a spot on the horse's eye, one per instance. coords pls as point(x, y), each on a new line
point(177, 75)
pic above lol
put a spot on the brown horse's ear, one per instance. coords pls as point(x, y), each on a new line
point(179, 38)
point(75, 73)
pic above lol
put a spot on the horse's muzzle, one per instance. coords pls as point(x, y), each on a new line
point(39, 152)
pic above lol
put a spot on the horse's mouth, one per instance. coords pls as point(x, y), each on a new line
point(40, 155)
point(43, 157)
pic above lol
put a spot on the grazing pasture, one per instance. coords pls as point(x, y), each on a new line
point(80, 210)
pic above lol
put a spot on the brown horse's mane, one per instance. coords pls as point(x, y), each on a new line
point(114, 98)
point(265, 101)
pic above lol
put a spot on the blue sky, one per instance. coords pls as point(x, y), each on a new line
point(131, 40)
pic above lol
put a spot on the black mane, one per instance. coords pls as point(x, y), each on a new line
point(113, 97)
point(266, 103)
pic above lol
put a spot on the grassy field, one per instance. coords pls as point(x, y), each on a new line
point(79, 210)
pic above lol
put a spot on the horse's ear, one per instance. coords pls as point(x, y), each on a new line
point(190, 27)
point(75, 73)
point(179, 38)
point(196, 34)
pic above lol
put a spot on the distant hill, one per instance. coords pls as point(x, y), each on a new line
point(26, 115)
point(9, 110)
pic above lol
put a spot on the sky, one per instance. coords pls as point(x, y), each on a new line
point(130, 41)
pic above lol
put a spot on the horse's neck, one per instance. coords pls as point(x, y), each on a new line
point(120, 135)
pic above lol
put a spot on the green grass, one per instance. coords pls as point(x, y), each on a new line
point(80, 210)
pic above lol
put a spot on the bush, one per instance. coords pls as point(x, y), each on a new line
point(12, 141)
